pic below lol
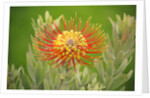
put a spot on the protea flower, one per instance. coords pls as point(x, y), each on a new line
point(67, 43)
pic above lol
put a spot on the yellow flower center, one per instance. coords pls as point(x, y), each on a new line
point(71, 44)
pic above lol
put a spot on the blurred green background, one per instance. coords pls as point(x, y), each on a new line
point(21, 29)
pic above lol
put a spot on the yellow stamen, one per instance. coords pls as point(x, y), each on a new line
point(68, 41)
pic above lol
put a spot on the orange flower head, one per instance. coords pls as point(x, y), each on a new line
point(70, 44)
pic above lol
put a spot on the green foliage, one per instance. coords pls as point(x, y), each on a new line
point(109, 73)
point(41, 22)
point(13, 79)
point(119, 54)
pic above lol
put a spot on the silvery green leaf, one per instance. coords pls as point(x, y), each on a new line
point(129, 74)
point(118, 18)
point(57, 21)
point(108, 81)
point(25, 81)
point(13, 86)
point(12, 68)
point(117, 30)
point(85, 72)
point(89, 87)
point(38, 72)
point(105, 57)
point(78, 77)
point(69, 80)
point(127, 19)
point(34, 25)
point(118, 81)
point(110, 47)
point(46, 71)
point(30, 66)
point(46, 84)
point(102, 87)
point(20, 69)
point(118, 45)
point(57, 81)
point(82, 88)
point(85, 77)
point(124, 17)
point(41, 19)
point(31, 53)
point(119, 58)
point(39, 22)
point(93, 82)
point(111, 21)
point(114, 34)
point(65, 87)
point(122, 67)
point(96, 87)
point(100, 70)
point(130, 53)
point(110, 68)
point(62, 76)
point(122, 88)
point(75, 85)
point(51, 81)
point(128, 43)
point(92, 76)
point(14, 72)
point(48, 17)
point(70, 74)
point(130, 59)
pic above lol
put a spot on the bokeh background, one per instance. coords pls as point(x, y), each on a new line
point(21, 29)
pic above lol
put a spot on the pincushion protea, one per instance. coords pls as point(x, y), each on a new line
point(69, 43)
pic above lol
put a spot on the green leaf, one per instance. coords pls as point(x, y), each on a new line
point(46, 84)
point(57, 21)
point(89, 87)
point(25, 81)
point(96, 87)
point(108, 81)
point(51, 78)
point(13, 86)
point(70, 74)
point(130, 53)
point(45, 71)
point(48, 18)
point(119, 58)
point(82, 88)
point(34, 25)
point(85, 77)
point(30, 66)
point(129, 74)
point(38, 72)
point(62, 76)
point(93, 82)
point(75, 85)
point(100, 70)
point(118, 45)
point(122, 88)
point(129, 43)
point(40, 21)
point(58, 81)
point(31, 53)
point(118, 18)
point(110, 68)
point(111, 21)
point(118, 81)
point(122, 67)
